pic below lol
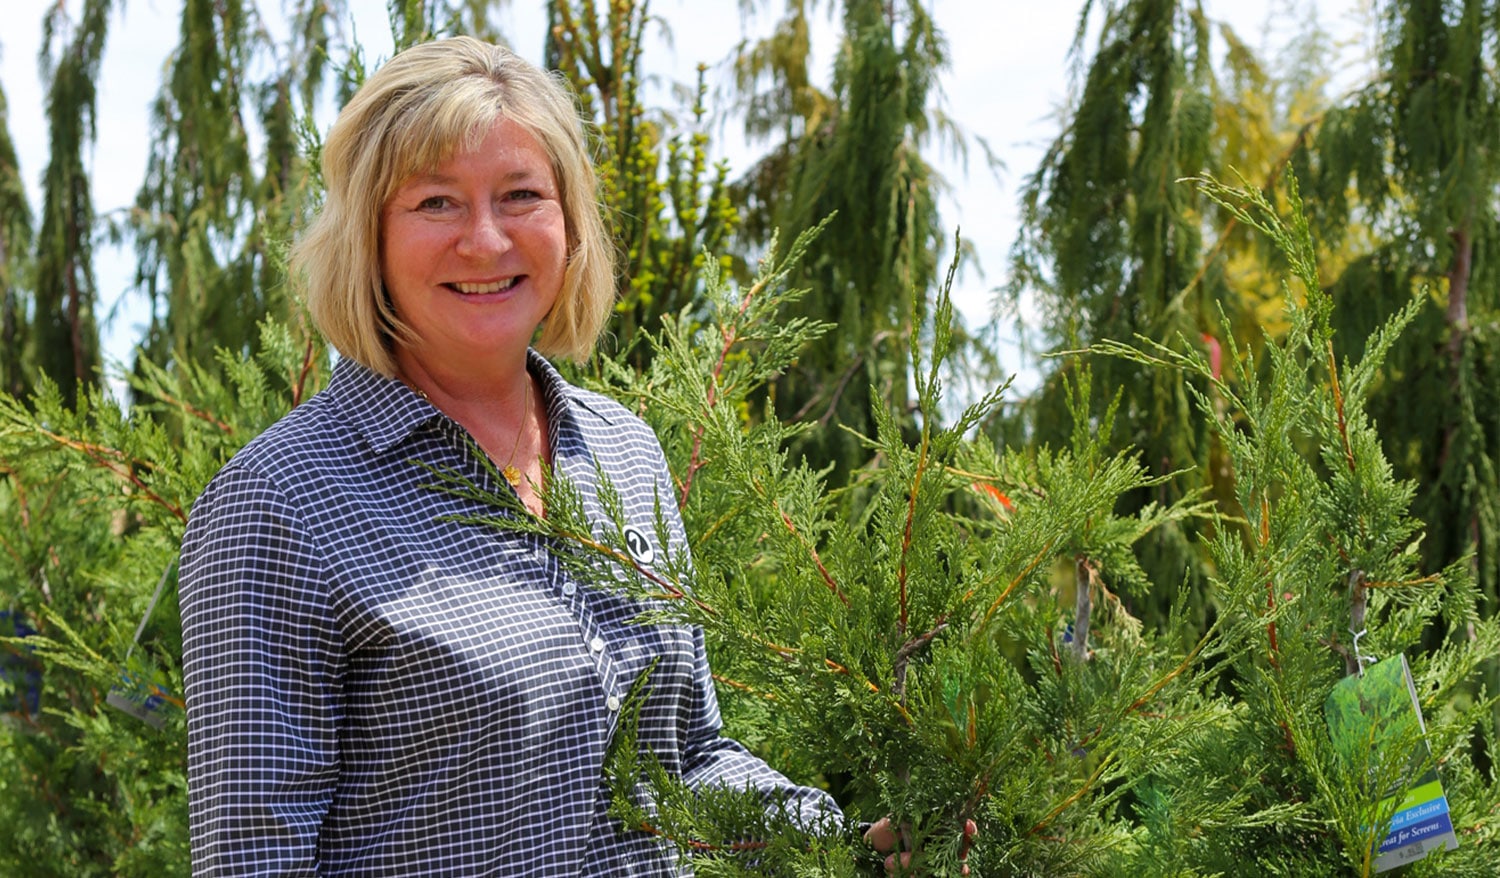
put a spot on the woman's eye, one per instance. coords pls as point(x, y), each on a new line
point(434, 202)
point(521, 195)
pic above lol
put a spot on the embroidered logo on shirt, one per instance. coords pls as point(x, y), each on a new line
point(639, 547)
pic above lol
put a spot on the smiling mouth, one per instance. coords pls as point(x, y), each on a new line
point(483, 289)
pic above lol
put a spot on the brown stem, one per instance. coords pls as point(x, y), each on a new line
point(730, 334)
point(817, 560)
point(907, 650)
point(1040, 556)
point(744, 687)
point(1337, 648)
point(1171, 675)
point(1152, 691)
point(1359, 602)
point(1271, 625)
point(1084, 573)
point(1070, 800)
point(843, 671)
point(1405, 583)
point(911, 647)
point(1338, 405)
point(199, 413)
point(1265, 541)
point(669, 590)
point(838, 391)
point(114, 460)
point(789, 652)
point(300, 387)
point(911, 515)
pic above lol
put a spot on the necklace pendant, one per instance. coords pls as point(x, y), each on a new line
point(512, 475)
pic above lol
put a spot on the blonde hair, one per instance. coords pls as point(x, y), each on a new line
point(424, 106)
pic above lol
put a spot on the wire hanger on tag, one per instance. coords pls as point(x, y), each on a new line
point(150, 608)
point(1359, 658)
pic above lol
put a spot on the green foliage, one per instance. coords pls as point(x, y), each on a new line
point(667, 207)
point(212, 219)
point(93, 505)
point(15, 251)
point(923, 658)
point(1411, 156)
point(64, 342)
point(1396, 174)
point(1328, 551)
point(926, 658)
point(414, 21)
point(755, 839)
point(855, 156)
point(960, 636)
point(1112, 247)
point(908, 657)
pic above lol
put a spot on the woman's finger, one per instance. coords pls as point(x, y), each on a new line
point(881, 836)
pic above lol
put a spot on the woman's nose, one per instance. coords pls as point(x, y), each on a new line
point(484, 235)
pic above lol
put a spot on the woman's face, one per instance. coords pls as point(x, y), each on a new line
point(473, 252)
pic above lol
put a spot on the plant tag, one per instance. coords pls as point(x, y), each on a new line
point(147, 703)
point(142, 699)
point(1370, 717)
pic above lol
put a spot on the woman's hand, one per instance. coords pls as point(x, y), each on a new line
point(883, 838)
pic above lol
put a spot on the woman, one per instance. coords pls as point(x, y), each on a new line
point(372, 689)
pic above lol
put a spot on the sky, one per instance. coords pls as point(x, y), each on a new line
point(1007, 80)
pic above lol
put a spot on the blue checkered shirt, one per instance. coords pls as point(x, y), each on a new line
point(373, 691)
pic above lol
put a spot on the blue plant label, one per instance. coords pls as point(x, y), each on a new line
point(1375, 718)
point(146, 702)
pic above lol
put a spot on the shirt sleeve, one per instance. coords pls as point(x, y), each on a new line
point(262, 658)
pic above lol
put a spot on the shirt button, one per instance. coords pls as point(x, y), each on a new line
point(568, 588)
point(612, 702)
point(597, 644)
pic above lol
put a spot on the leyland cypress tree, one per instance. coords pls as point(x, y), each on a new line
point(946, 662)
point(64, 334)
point(1412, 156)
point(15, 254)
point(918, 661)
point(666, 204)
point(856, 155)
point(1327, 561)
point(94, 501)
point(214, 214)
point(1111, 246)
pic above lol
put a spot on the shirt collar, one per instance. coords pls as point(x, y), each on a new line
point(386, 410)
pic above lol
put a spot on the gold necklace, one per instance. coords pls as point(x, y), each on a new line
point(511, 473)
